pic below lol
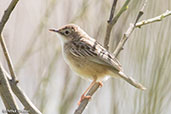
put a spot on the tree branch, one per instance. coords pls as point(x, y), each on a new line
point(139, 24)
point(84, 103)
point(28, 105)
point(3, 21)
point(13, 83)
point(112, 11)
point(129, 31)
point(7, 14)
point(8, 59)
point(112, 23)
point(152, 20)
point(7, 94)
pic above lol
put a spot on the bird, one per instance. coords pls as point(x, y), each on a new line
point(88, 58)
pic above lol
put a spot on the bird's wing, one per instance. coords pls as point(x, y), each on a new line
point(92, 50)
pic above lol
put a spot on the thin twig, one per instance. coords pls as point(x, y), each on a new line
point(139, 24)
point(123, 40)
point(84, 103)
point(28, 105)
point(7, 94)
point(112, 23)
point(7, 14)
point(152, 20)
point(2, 24)
point(8, 59)
point(141, 12)
point(129, 31)
point(112, 11)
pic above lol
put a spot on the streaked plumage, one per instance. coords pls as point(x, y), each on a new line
point(87, 57)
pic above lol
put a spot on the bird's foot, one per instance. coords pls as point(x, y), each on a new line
point(100, 83)
point(82, 98)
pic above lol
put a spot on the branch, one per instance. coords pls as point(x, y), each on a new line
point(123, 40)
point(28, 105)
point(112, 11)
point(8, 59)
point(155, 19)
point(128, 32)
point(7, 14)
point(84, 103)
point(2, 24)
point(112, 23)
point(21, 96)
point(139, 24)
point(7, 94)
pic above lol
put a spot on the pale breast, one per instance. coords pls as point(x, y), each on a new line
point(86, 68)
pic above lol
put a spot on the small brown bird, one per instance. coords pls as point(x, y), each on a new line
point(88, 58)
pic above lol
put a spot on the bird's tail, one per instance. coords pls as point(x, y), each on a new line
point(131, 81)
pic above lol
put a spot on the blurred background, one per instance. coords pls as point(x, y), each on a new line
point(55, 89)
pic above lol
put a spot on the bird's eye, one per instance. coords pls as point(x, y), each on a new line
point(67, 32)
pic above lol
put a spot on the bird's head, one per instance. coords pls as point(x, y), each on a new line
point(69, 32)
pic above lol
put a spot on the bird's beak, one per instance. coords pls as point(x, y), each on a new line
point(53, 30)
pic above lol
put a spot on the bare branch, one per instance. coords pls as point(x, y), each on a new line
point(112, 23)
point(2, 24)
point(155, 19)
point(139, 24)
point(7, 14)
point(128, 32)
point(112, 11)
point(141, 12)
point(7, 94)
point(22, 96)
point(28, 105)
point(8, 59)
point(123, 40)
point(84, 103)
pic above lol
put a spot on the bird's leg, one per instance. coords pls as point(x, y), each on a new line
point(83, 96)
point(100, 83)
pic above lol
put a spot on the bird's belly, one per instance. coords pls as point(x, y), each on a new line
point(86, 68)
